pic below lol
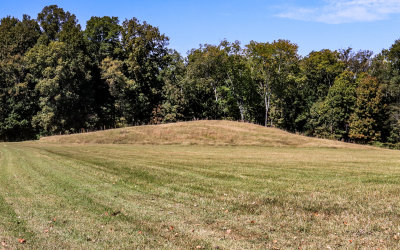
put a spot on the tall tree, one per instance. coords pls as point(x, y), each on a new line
point(272, 65)
point(119, 86)
point(17, 101)
point(59, 67)
point(206, 70)
point(238, 80)
point(370, 115)
point(64, 87)
point(356, 62)
point(175, 106)
point(16, 36)
point(146, 55)
point(102, 37)
point(319, 70)
point(57, 24)
point(333, 116)
point(103, 33)
point(386, 67)
point(17, 98)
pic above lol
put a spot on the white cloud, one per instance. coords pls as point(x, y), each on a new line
point(345, 11)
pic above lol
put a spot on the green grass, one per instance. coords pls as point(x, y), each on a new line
point(63, 195)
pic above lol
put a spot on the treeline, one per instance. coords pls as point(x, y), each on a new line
point(56, 78)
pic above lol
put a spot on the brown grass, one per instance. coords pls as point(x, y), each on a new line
point(199, 133)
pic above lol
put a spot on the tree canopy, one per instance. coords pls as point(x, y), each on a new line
point(56, 78)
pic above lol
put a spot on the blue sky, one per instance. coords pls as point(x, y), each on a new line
point(312, 24)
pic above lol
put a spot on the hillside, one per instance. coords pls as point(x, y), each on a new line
point(199, 133)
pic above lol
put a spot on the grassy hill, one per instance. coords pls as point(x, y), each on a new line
point(126, 188)
point(199, 133)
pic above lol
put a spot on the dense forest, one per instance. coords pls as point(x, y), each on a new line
point(56, 78)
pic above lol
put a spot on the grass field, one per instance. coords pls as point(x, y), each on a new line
point(271, 190)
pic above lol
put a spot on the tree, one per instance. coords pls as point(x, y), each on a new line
point(272, 64)
point(17, 98)
point(146, 55)
point(386, 68)
point(356, 62)
point(119, 86)
point(62, 81)
point(16, 36)
point(238, 81)
point(334, 112)
point(103, 34)
point(17, 101)
point(102, 37)
point(57, 25)
point(319, 70)
point(175, 105)
point(207, 73)
point(369, 117)
point(392, 74)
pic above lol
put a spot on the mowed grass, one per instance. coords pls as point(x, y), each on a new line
point(68, 195)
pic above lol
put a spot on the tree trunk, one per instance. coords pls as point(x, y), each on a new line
point(241, 110)
point(215, 92)
point(267, 98)
point(238, 99)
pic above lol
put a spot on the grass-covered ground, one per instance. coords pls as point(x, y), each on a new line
point(279, 193)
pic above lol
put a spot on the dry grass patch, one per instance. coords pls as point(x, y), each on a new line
point(199, 133)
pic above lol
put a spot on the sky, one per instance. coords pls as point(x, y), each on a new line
point(311, 24)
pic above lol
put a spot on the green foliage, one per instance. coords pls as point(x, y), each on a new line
point(320, 69)
point(56, 78)
point(242, 88)
point(16, 36)
point(175, 105)
point(333, 114)
point(356, 62)
point(119, 87)
point(57, 24)
point(368, 119)
point(63, 85)
point(146, 54)
point(103, 36)
point(206, 71)
point(273, 67)
point(17, 100)
point(221, 85)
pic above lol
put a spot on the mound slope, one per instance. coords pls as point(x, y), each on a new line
point(199, 133)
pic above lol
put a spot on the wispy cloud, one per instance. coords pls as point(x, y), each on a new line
point(345, 11)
